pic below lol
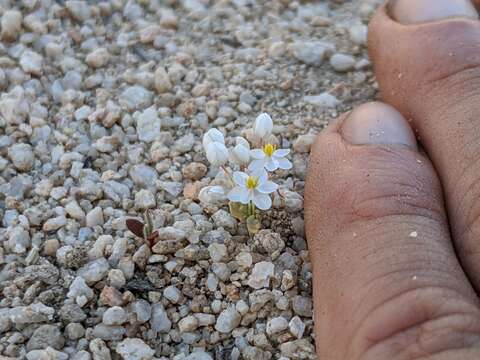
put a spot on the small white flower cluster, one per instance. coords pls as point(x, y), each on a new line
point(250, 184)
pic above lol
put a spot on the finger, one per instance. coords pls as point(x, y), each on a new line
point(431, 73)
point(387, 284)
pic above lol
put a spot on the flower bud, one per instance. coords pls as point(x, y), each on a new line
point(263, 126)
point(212, 135)
point(217, 154)
point(240, 155)
point(242, 141)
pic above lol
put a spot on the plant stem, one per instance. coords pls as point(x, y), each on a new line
point(230, 177)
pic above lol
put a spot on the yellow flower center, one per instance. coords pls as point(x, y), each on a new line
point(269, 149)
point(252, 182)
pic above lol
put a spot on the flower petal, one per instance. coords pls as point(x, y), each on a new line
point(261, 175)
point(281, 152)
point(238, 194)
point(240, 154)
point(272, 164)
point(284, 164)
point(240, 178)
point(217, 153)
point(256, 165)
point(263, 125)
point(267, 187)
point(242, 141)
point(262, 201)
point(257, 154)
point(213, 135)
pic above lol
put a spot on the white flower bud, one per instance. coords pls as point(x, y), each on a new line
point(217, 154)
point(240, 155)
point(263, 126)
point(242, 141)
point(212, 135)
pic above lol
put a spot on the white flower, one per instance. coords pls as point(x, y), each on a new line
point(252, 188)
point(217, 153)
point(263, 126)
point(269, 158)
point(212, 135)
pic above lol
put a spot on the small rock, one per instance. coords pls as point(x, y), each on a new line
point(165, 247)
point(46, 335)
point(143, 175)
point(261, 274)
point(79, 288)
point(94, 217)
point(148, 125)
point(144, 199)
point(48, 354)
point(143, 311)
point(358, 34)
point(99, 350)
point(75, 211)
point(270, 241)
point(172, 294)
point(312, 52)
point(259, 299)
point(31, 62)
point(304, 143)
point(323, 100)
point(94, 271)
point(134, 349)
point(22, 156)
point(342, 63)
point(223, 219)
point(302, 306)
point(74, 331)
point(114, 316)
point(108, 332)
point(19, 240)
point(98, 58)
point(212, 195)
point(54, 223)
point(228, 320)
point(11, 24)
point(218, 252)
point(136, 98)
point(276, 325)
point(116, 278)
point(297, 327)
point(205, 319)
point(79, 10)
point(199, 355)
point(111, 296)
point(188, 324)
point(160, 321)
point(72, 313)
point(194, 171)
point(35, 313)
point(298, 349)
point(162, 81)
point(277, 50)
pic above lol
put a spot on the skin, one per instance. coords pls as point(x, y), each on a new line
point(392, 197)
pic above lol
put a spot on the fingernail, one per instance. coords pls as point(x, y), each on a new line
point(419, 11)
point(377, 124)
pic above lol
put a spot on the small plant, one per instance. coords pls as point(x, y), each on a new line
point(143, 230)
point(248, 170)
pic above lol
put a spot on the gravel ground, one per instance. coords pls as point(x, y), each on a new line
point(102, 109)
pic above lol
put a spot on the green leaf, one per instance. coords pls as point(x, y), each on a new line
point(238, 210)
point(253, 225)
